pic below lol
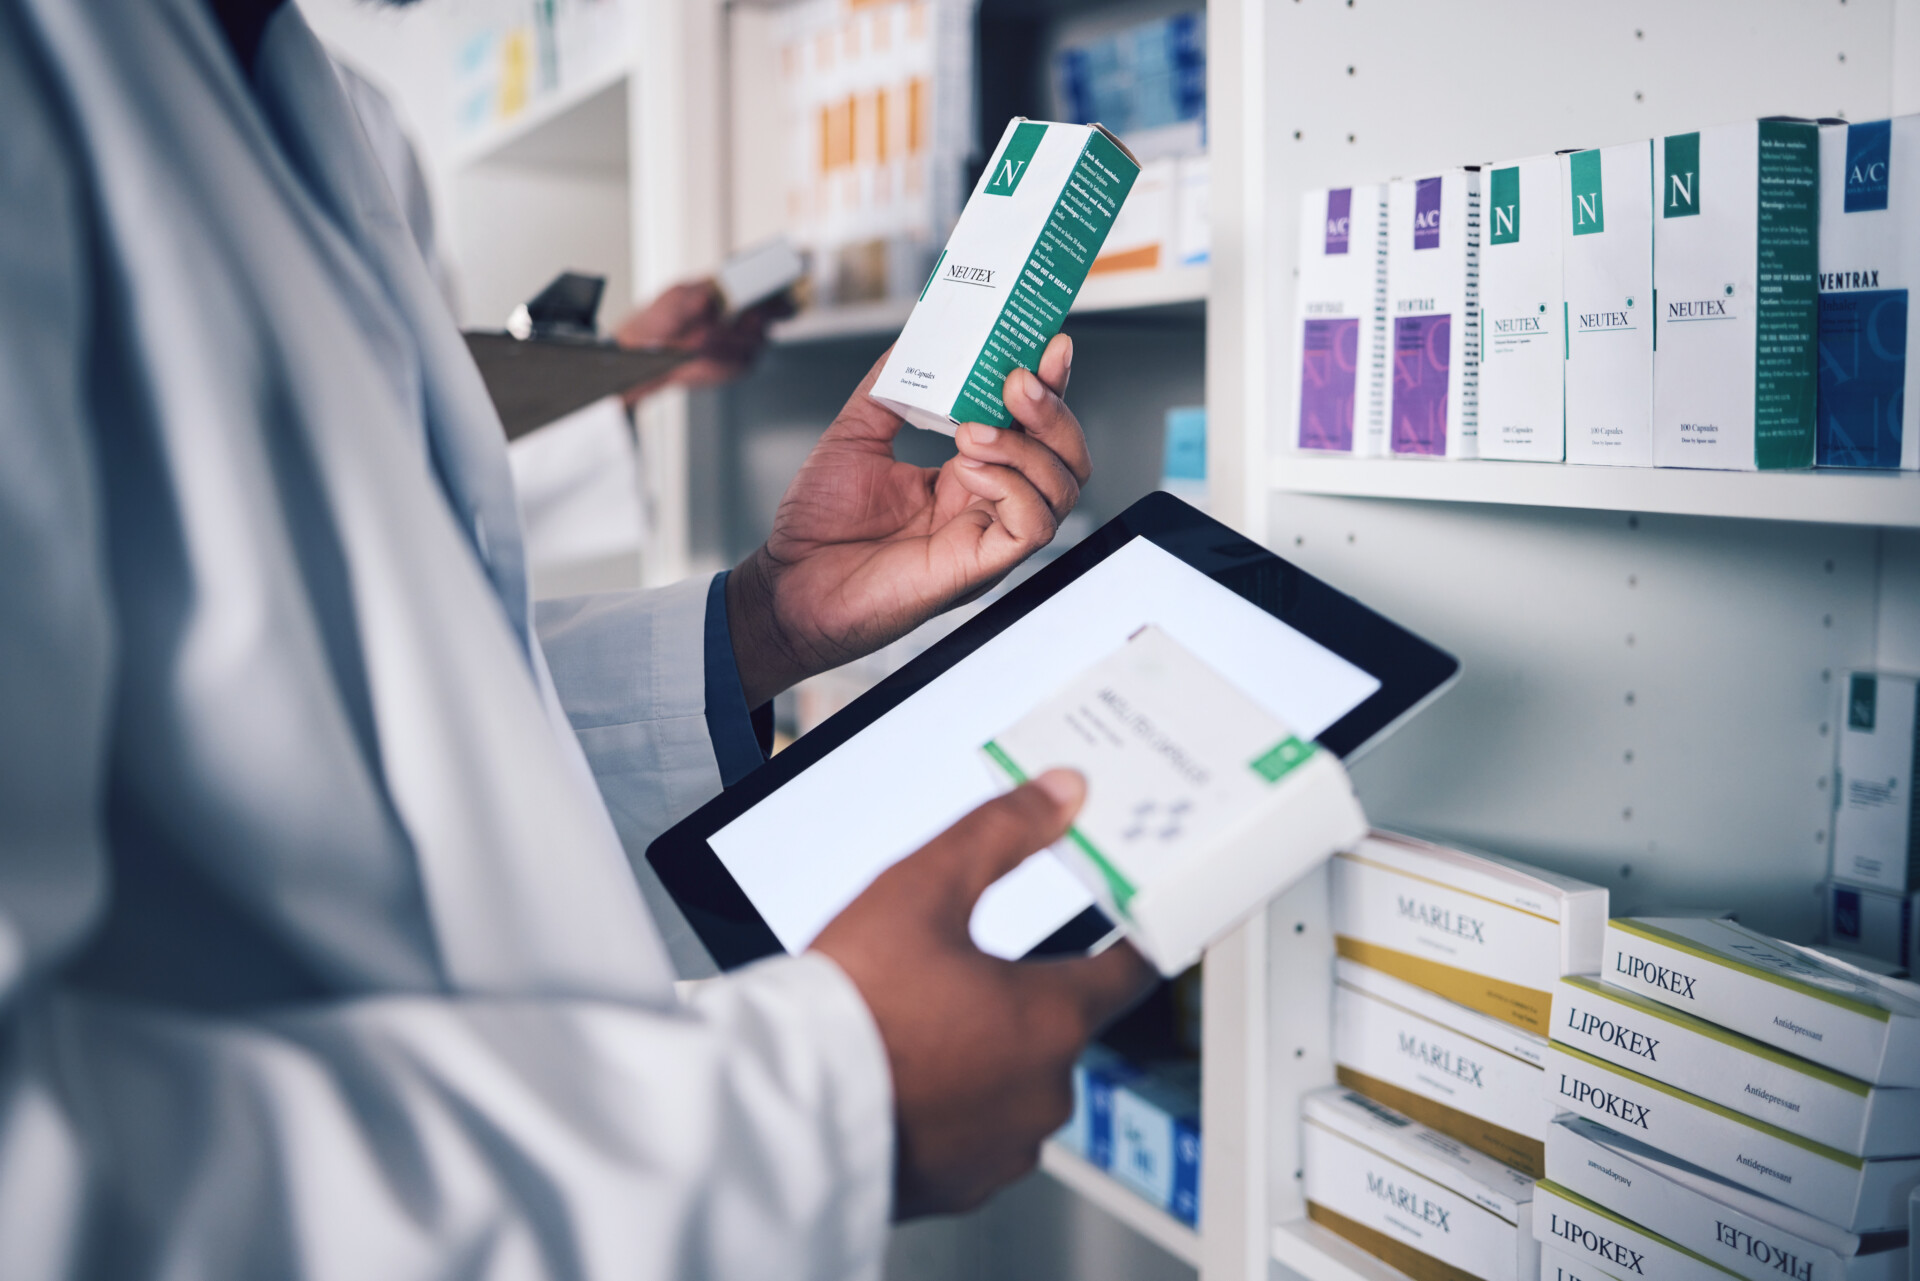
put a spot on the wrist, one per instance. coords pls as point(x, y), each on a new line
point(763, 654)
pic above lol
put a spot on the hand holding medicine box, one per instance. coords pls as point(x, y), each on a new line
point(1012, 268)
point(1200, 805)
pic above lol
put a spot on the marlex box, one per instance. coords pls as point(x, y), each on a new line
point(1411, 1196)
point(1735, 260)
point(1340, 335)
point(1433, 315)
point(1482, 932)
point(1522, 314)
point(1607, 273)
point(1010, 271)
point(1869, 263)
point(1469, 1075)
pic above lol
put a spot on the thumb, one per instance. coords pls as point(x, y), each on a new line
point(1000, 835)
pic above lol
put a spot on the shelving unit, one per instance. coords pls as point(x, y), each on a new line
point(1093, 1183)
point(1837, 498)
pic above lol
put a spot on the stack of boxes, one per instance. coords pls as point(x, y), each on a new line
point(1875, 893)
point(1426, 1153)
point(1732, 298)
point(1671, 1099)
point(1732, 1104)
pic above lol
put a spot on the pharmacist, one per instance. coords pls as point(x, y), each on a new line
point(319, 955)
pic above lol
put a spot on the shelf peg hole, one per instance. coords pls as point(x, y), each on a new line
point(1299, 1052)
point(1824, 728)
point(1829, 566)
point(1820, 838)
point(1626, 814)
point(1626, 870)
point(1633, 580)
point(1826, 676)
point(1628, 756)
point(1630, 699)
point(1299, 927)
point(1633, 522)
point(1826, 620)
point(1629, 640)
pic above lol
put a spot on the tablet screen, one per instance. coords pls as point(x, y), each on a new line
point(807, 850)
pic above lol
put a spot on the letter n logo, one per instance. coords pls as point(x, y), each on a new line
point(1680, 193)
point(1011, 165)
point(1583, 185)
point(1504, 202)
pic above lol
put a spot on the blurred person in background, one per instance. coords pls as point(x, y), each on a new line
point(320, 954)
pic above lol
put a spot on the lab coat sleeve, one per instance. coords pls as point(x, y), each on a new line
point(629, 669)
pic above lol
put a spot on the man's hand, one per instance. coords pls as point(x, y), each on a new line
point(981, 1049)
point(865, 548)
point(690, 317)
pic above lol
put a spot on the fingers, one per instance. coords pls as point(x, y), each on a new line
point(1045, 470)
point(1021, 510)
point(1101, 987)
point(1000, 835)
point(862, 418)
point(1037, 407)
point(1056, 364)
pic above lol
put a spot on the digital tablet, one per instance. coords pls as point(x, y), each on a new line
point(765, 865)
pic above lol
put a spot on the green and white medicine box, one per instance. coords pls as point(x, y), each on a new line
point(1607, 273)
point(1735, 264)
point(1522, 314)
point(1876, 823)
point(1201, 805)
point(1010, 272)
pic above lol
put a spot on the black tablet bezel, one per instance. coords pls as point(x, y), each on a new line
point(1411, 671)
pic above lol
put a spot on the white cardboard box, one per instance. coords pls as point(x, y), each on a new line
point(1433, 315)
point(1736, 1072)
point(1142, 236)
point(1847, 1191)
point(1556, 1265)
point(1413, 1197)
point(1876, 824)
point(1873, 925)
point(1753, 1236)
point(1855, 1023)
point(1340, 326)
point(1485, 933)
point(1608, 277)
point(1599, 1238)
point(1869, 264)
point(1523, 337)
point(1192, 216)
point(1011, 269)
point(1201, 805)
point(1735, 256)
point(1470, 1076)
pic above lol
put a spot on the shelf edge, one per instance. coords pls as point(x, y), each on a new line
point(1305, 1247)
point(1099, 1187)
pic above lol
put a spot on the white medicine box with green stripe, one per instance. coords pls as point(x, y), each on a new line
point(1522, 322)
point(1201, 804)
point(1607, 248)
point(1735, 267)
point(1010, 272)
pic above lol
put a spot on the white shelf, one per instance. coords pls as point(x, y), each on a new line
point(1827, 497)
point(855, 320)
point(1305, 1247)
point(583, 126)
point(1099, 1187)
point(1120, 292)
point(1129, 290)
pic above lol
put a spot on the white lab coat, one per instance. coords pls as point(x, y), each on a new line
point(319, 954)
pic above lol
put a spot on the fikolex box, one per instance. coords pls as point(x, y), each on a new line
point(1869, 261)
point(1876, 823)
point(1596, 1236)
point(1735, 1071)
point(1011, 269)
point(1735, 256)
point(1340, 334)
point(1411, 1196)
point(1522, 314)
point(1848, 1191)
point(1201, 805)
point(1837, 1016)
point(1607, 270)
point(1746, 1233)
point(1485, 933)
point(1470, 1076)
point(1433, 315)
